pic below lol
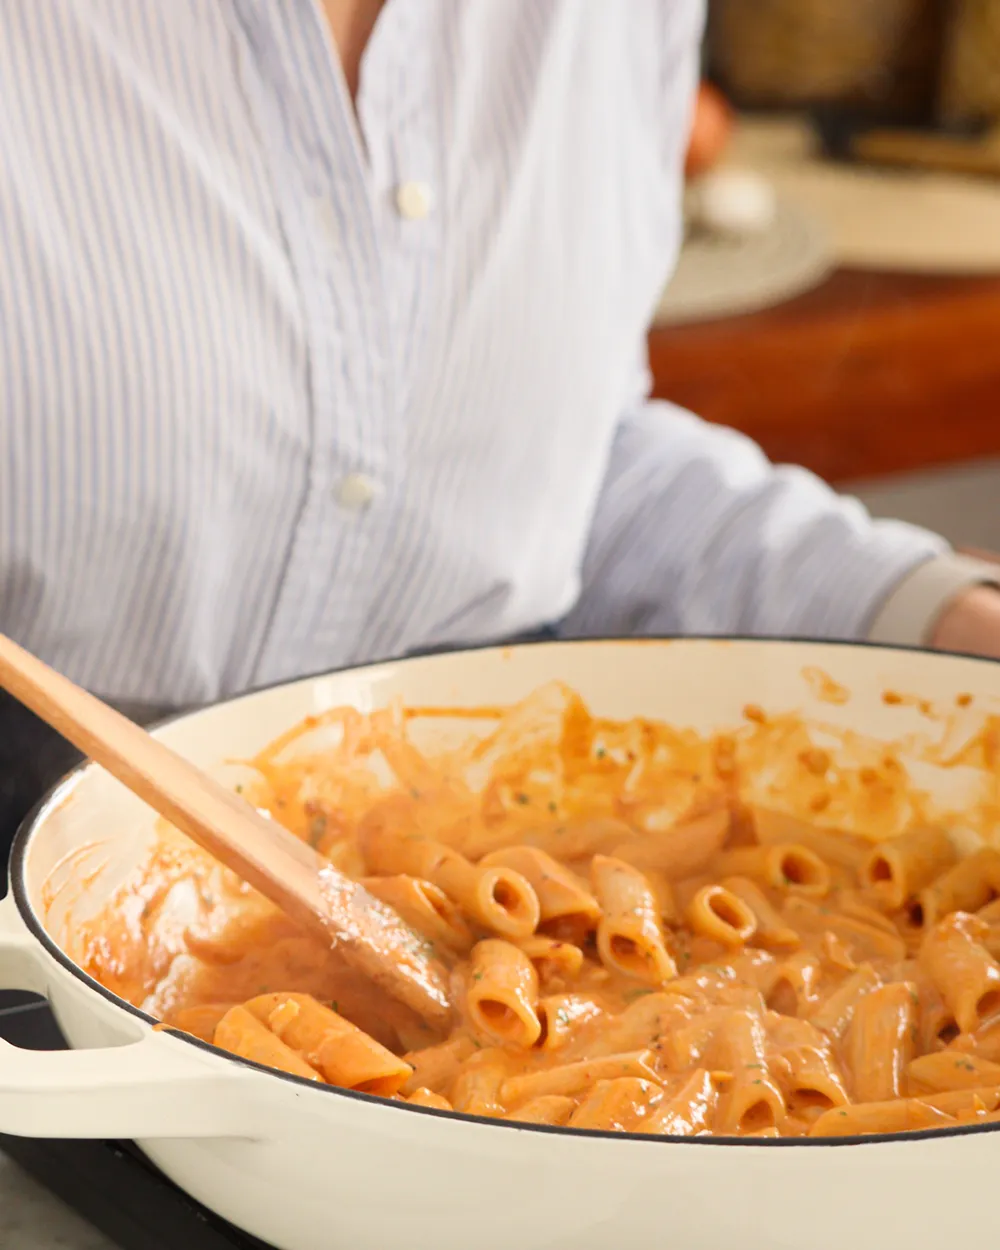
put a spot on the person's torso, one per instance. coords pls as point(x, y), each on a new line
point(275, 397)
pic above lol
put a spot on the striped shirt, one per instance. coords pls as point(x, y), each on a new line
point(285, 387)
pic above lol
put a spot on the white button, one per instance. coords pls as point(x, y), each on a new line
point(356, 492)
point(414, 200)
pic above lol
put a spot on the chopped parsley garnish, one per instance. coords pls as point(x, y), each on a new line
point(317, 829)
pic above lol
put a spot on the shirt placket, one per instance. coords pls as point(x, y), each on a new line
point(326, 197)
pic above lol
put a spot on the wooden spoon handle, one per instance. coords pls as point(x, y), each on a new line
point(307, 887)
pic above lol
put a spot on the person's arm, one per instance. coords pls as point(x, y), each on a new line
point(695, 531)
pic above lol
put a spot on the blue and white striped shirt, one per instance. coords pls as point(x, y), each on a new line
point(283, 387)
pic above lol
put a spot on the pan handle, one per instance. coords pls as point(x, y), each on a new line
point(157, 1086)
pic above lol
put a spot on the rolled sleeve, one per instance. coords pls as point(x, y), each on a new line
point(912, 609)
point(696, 532)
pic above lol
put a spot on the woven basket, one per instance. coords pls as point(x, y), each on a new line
point(970, 79)
point(875, 56)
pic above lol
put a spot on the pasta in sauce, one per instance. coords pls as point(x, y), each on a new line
point(636, 942)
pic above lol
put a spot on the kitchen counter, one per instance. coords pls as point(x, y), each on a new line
point(33, 1219)
point(868, 375)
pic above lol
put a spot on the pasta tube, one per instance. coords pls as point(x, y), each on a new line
point(867, 941)
point(683, 850)
point(629, 936)
point(964, 972)
point(549, 1109)
point(689, 1111)
point(499, 898)
point(243, 1034)
point(832, 845)
point(424, 907)
point(200, 1021)
point(786, 866)
point(970, 884)
point(573, 1078)
point(834, 1015)
point(899, 867)
point(772, 930)
point(551, 957)
point(717, 913)
point(751, 1099)
point(427, 1098)
point(881, 1041)
point(332, 1045)
point(561, 895)
point(793, 987)
point(947, 1070)
point(502, 994)
point(622, 1105)
point(560, 1016)
point(903, 1115)
point(436, 1067)
point(476, 1090)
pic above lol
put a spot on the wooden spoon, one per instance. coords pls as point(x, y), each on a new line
point(307, 887)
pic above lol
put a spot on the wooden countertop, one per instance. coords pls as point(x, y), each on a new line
point(871, 373)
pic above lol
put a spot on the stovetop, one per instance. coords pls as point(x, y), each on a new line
point(111, 1184)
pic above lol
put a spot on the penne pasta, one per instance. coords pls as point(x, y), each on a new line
point(502, 994)
point(950, 1070)
point(936, 1025)
point(330, 1044)
point(436, 1067)
point(689, 1111)
point(629, 936)
point(580, 839)
point(967, 886)
point(425, 907)
point(613, 966)
point(243, 1034)
point(717, 913)
point(772, 931)
point(985, 1042)
point(904, 1115)
point(553, 958)
point(959, 1102)
point(866, 941)
point(832, 845)
point(900, 867)
point(804, 1067)
point(573, 1078)
point(621, 1105)
point(751, 1099)
point(965, 974)
point(681, 851)
point(792, 986)
point(560, 893)
point(882, 1040)
point(498, 898)
point(990, 913)
point(785, 866)
point(549, 1109)
point(561, 1016)
point(200, 1021)
point(476, 1090)
point(423, 1097)
point(834, 1015)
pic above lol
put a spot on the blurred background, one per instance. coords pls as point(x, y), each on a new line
point(838, 296)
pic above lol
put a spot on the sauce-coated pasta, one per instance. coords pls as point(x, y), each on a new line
point(636, 944)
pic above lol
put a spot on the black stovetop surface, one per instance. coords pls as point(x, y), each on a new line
point(111, 1184)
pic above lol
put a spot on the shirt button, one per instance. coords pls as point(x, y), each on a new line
point(356, 492)
point(414, 200)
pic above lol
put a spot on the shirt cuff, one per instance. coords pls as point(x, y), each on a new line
point(908, 616)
